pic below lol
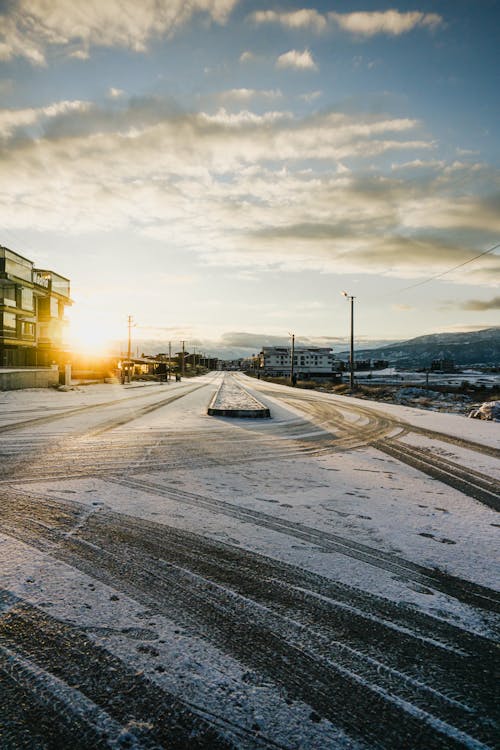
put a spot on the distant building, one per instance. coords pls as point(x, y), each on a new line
point(231, 364)
point(309, 362)
point(443, 365)
point(365, 364)
point(32, 305)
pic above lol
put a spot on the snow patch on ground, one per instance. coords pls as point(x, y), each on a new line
point(199, 674)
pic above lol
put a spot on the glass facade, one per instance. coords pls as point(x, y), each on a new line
point(48, 307)
point(28, 329)
point(15, 265)
point(32, 303)
point(8, 296)
point(8, 322)
point(54, 307)
point(60, 285)
point(50, 280)
point(27, 299)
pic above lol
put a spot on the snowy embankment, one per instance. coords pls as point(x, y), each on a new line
point(231, 400)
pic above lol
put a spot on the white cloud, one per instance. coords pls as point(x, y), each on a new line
point(295, 59)
point(390, 22)
point(115, 93)
point(13, 119)
point(361, 23)
point(246, 95)
point(241, 188)
point(402, 308)
point(247, 56)
point(32, 26)
point(310, 96)
point(299, 19)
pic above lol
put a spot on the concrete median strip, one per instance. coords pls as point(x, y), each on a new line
point(231, 400)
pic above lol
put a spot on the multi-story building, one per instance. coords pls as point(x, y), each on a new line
point(308, 362)
point(32, 304)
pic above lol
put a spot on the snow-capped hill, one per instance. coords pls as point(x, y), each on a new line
point(464, 349)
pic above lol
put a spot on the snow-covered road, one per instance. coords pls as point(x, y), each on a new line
point(324, 579)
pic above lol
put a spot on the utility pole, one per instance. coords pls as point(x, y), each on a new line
point(169, 358)
point(351, 356)
point(182, 365)
point(129, 347)
point(291, 360)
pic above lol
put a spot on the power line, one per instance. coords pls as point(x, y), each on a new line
point(443, 273)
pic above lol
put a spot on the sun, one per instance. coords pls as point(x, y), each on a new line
point(89, 334)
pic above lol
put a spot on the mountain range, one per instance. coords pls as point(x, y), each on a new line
point(465, 349)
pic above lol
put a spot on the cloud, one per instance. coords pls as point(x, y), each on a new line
point(31, 27)
point(361, 23)
point(298, 60)
point(115, 93)
point(389, 22)
point(247, 95)
point(299, 19)
point(247, 56)
point(242, 189)
point(310, 96)
point(15, 119)
point(478, 305)
point(246, 340)
point(255, 341)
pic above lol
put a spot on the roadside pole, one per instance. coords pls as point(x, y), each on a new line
point(129, 347)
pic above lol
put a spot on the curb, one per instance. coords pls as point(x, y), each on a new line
point(262, 413)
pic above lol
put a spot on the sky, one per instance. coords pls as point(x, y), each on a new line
point(222, 170)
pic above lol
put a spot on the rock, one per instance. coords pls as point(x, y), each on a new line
point(490, 410)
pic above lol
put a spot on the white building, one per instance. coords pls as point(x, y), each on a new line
point(308, 362)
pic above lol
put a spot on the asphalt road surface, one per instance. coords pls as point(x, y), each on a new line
point(174, 580)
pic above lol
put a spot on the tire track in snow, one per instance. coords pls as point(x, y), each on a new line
point(100, 701)
point(465, 591)
point(346, 653)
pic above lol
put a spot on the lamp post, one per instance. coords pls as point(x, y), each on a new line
point(291, 359)
point(129, 345)
point(183, 355)
point(351, 356)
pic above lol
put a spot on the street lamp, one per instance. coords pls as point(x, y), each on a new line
point(292, 355)
point(130, 324)
point(351, 356)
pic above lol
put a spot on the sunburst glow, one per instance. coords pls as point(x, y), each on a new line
point(89, 333)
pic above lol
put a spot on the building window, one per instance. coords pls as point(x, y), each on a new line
point(19, 268)
point(9, 322)
point(28, 329)
point(60, 285)
point(8, 296)
point(54, 308)
point(27, 299)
